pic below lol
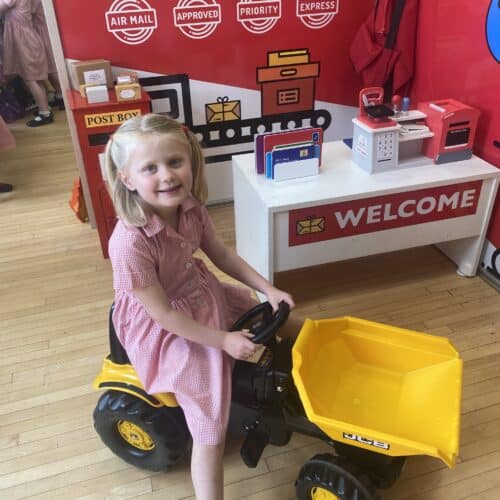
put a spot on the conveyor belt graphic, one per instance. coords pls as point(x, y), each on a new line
point(211, 135)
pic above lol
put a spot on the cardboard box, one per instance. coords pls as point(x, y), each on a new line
point(128, 92)
point(95, 71)
point(123, 78)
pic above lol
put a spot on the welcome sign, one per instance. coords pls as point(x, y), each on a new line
point(379, 213)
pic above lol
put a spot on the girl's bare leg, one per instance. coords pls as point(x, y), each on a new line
point(207, 471)
point(39, 94)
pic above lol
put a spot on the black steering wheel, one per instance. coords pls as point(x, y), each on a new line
point(262, 322)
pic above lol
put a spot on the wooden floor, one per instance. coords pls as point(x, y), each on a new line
point(55, 290)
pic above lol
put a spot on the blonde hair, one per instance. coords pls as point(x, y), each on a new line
point(129, 206)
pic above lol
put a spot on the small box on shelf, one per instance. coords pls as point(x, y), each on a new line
point(128, 92)
point(95, 71)
point(97, 93)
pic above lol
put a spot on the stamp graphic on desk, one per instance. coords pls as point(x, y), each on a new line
point(310, 225)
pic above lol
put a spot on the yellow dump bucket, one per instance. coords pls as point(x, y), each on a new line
point(385, 389)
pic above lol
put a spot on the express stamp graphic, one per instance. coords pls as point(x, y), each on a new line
point(258, 16)
point(197, 18)
point(317, 14)
point(131, 21)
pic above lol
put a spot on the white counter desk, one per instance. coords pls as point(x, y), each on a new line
point(345, 213)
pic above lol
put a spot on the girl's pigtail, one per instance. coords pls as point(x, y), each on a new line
point(127, 204)
point(200, 188)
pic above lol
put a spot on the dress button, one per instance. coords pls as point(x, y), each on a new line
point(188, 265)
point(183, 244)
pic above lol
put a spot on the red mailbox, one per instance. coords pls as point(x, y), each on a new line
point(94, 124)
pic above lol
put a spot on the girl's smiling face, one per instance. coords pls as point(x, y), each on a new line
point(159, 169)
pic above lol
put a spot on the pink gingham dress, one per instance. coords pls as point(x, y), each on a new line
point(198, 375)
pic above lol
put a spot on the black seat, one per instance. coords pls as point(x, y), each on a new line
point(117, 353)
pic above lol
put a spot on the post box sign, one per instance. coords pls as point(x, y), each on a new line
point(379, 213)
point(112, 118)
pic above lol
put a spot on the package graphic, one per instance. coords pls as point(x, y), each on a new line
point(288, 85)
point(223, 110)
point(310, 225)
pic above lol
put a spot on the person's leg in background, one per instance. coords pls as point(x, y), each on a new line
point(40, 95)
point(58, 97)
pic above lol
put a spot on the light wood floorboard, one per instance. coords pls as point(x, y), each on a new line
point(55, 291)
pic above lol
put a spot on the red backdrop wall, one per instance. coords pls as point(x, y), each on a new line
point(453, 60)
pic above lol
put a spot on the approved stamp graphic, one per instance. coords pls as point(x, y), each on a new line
point(197, 18)
point(317, 14)
point(131, 21)
point(258, 16)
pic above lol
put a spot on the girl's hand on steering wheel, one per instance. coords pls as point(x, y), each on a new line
point(275, 296)
point(238, 345)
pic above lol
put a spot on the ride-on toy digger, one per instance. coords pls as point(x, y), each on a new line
point(375, 393)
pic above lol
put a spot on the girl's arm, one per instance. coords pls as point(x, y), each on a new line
point(227, 260)
point(154, 300)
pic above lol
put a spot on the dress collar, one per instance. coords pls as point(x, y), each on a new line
point(155, 223)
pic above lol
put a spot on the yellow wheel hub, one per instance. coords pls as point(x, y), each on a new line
point(318, 493)
point(135, 436)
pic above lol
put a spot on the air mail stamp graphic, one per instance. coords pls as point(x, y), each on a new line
point(317, 14)
point(197, 18)
point(258, 16)
point(131, 21)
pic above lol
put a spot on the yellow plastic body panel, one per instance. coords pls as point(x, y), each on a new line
point(124, 378)
point(378, 387)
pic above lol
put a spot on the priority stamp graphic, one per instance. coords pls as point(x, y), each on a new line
point(131, 21)
point(258, 16)
point(317, 14)
point(197, 18)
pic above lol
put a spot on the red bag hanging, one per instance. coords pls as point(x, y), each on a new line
point(384, 45)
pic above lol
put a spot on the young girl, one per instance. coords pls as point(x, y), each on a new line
point(24, 54)
point(171, 314)
point(40, 26)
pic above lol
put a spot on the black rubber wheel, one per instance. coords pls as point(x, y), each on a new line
point(146, 437)
point(334, 478)
point(495, 263)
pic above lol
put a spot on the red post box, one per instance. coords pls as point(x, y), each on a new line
point(94, 124)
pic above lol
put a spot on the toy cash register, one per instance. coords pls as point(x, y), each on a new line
point(375, 140)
